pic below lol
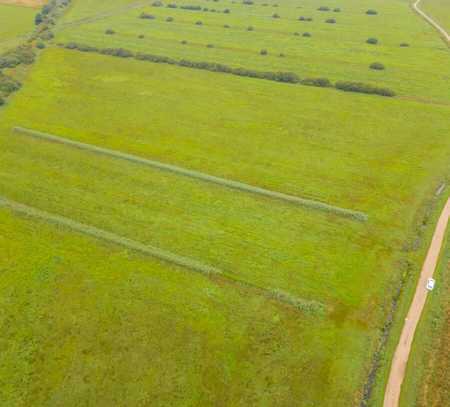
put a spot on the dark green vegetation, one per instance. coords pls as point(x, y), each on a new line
point(300, 311)
point(427, 377)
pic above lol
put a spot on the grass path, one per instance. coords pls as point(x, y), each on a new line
point(400, 360)
point(444, 33)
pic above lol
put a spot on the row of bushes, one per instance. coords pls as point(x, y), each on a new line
point(8, 85)
point(286, 77)
point(23, 54)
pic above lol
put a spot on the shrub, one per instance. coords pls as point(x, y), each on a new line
point(308, 19)
point(372, 41)
point(263, 52)
point(319, 82)
point(38, 19)
point(171, 5)
point(337, 10)
point(281, 55)
point(275, 15)
point(404, 44)
point(147, 16)
point(247, 2)
point(363, 88)
point(184, 42)
point(210, 46)
point(226, 11)
point(301, 18)
point(109, 31)
point(188, 7)
point(306, 34)
point(371, 12)
point(157, 4)
point(141, 36)
point(169, 19)
point(40, 45)
point(2, 101)
point(206, 9)
point(377, 66)
point(296, 34)
point(250, 28)
point(226, 26)
point(331, 21)
point(198, 23)
point(323, 8)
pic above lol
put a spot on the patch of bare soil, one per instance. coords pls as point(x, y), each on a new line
point(27, 3)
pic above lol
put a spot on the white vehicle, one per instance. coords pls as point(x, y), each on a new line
point(430, 284)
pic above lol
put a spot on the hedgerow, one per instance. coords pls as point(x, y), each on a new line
point(363, 88)
point(286, 77)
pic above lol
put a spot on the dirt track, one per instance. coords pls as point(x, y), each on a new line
point(398, 367)
point(431, 21)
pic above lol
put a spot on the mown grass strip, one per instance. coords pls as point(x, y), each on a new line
point(109, 237)
point(305, 306)
point(307, 203)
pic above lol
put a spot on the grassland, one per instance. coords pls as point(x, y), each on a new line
point(98, 324)
point(427, 376)
point(84, 321)
point(337, 51)
point(439, 10)
point(15, 23)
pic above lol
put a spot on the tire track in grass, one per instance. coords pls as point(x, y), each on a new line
point(213, 273)
point(307, 203)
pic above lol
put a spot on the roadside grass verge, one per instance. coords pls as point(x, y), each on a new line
point(307, 203)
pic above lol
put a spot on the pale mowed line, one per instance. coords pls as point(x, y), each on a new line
point(431, 21)
point(108, 236)
point(307, 203)
point(310, 306)
point(401, 355)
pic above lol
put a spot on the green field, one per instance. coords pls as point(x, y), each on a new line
point(15, 23)
point(99, 324)
point(427, 376)
point(439, 10)
point(337, 51)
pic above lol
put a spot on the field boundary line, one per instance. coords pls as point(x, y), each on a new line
point(403, 349)
point(438, 27)
point(307, 203)
point(109, 237)
point(213, 273)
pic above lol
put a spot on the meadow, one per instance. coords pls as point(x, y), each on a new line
point(439, 10)
point(97, 323)
point(337, 51)
point(15, 23)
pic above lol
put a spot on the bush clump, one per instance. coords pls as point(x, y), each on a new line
point(198, 23)
point(297, 34)
point(172, 5)
point(40, 45)
point(157, 4)
point(377, 66)
point(360, 87)
point(404, 44)
point(193, 8)
point(210, 46)
point(169, 19)
point(20, 55)
point(247, 2)
point(330, 21)
point(372, 41)
point(371, 12)
point(109, 31)
point(147, 16)
point(319, 82)
point(227, 11)
point(226, 26)
point(250, 28)
point(306, 34)
point(275, 15)
point(263, 52)
point(323, 8)
point(337, 10)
